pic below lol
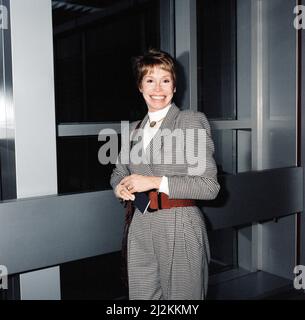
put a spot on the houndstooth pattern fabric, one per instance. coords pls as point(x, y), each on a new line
point(168, 250)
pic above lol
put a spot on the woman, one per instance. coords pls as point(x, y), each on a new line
point(168, 249)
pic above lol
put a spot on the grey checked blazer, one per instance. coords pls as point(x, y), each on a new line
point(181, 185)
point(168, 250)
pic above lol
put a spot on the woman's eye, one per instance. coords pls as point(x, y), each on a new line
point(166, 81)
point(149, 81)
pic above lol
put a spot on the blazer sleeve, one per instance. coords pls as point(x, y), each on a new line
point(121, 170)
point(205, 185)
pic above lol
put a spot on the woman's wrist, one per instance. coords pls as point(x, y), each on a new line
point(156, 181)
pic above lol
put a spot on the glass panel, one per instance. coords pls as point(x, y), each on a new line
point(232, 151)
point(225, 151)
point(275, 128)
point(94, 44)
point(69, 78)
point(78, 167)
point(223, 250)
point(279, 81)
point(244, 62)
point(216, 30)
point(279, 125)
point(232, 155)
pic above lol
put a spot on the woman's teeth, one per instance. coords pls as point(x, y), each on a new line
point(158, 97)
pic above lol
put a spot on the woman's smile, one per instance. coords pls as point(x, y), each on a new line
point(157, 88)
point(158, 97)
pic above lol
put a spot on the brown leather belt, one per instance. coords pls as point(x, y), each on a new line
point(160, 200)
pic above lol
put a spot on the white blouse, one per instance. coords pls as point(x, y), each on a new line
point(149, 134)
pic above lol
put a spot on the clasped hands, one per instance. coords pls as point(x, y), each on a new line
point(136, 183)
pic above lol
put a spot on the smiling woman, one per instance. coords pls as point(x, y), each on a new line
point(167, 247)
point(157, 89)
point(94, 41)
point(156, 80)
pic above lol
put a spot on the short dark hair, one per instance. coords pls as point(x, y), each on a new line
point(153, 58)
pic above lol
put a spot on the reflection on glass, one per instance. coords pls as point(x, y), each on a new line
point(94, 42)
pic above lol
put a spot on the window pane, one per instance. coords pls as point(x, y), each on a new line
point(216, 30)
point(69, 78)
point(78, 166)
point(233, 152)
point(279, 79)
point(93, 52)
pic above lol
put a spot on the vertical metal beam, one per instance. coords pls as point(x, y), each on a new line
point(261, 119)
point(167, 26)
point(7, 130)
point(298, 134)
point(257, 112)
point(301, 114)
point(35, 127)
point(186, 53)
point(7, 116)
point(257, 115)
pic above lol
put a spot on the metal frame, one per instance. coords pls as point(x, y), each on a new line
point(34, 120)
point(300, 137)
point(257, 122)
point(264, 195)
point(231, 124)
point(85, 129)
point(257, 117)
point(40, 232)
point(7, 117)
point(36, 228)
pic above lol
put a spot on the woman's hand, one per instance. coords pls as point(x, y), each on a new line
point(137, 183)
point(121, 192)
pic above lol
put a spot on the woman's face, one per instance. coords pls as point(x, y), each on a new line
point(157, 88)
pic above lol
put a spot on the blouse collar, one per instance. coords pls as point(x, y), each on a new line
point(158, 115)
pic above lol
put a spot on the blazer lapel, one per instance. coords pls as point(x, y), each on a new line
point(137, 138)
point(154, 148)
point(135, 135)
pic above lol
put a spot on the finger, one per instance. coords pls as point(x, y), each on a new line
point(129, 187)
point(127, 195)
point(124, 188)
point(124, 197)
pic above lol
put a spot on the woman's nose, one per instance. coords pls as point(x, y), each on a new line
point(158, 87)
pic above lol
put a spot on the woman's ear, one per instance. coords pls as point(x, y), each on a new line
point(174, 89)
